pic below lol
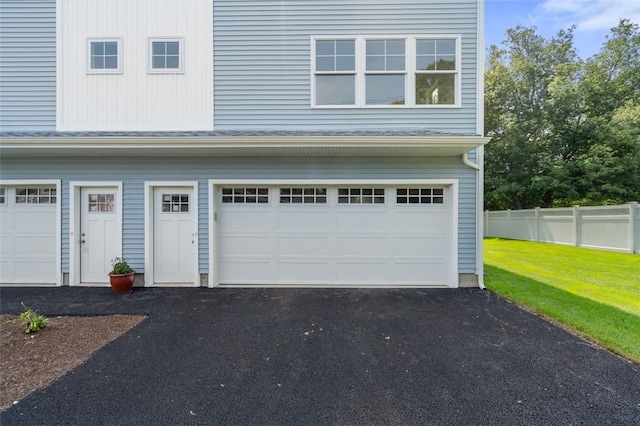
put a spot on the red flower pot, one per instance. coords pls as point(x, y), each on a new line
point(122, 283)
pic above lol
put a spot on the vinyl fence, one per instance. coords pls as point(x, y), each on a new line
point(605, 227)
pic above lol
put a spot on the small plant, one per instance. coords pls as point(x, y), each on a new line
point(31, 321)
point(120, 267)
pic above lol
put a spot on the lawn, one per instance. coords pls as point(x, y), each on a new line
point(595, 293)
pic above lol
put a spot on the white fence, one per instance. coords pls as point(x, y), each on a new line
point(604, 227)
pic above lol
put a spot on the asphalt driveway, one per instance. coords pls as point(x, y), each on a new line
point(326, 356)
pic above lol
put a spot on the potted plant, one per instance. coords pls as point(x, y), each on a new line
point(121, 276)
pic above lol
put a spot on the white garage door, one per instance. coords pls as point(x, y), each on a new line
point(28, 242)
point(336, 235)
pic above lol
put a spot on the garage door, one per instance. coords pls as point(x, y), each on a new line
point(28, 229)
point(336, 235)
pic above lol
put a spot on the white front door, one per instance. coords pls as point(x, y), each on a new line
point(174, 236)
point(100, 234)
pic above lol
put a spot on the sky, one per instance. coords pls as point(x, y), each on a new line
point(593, 19)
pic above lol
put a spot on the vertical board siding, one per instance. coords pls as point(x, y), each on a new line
point(27, 65)
point(135, 99)
point(133, 172)
point(262, 61)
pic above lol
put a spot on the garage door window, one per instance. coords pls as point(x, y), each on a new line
point(35, 196)
point(303, 195)
point(420, 195)
point(3, 198)
point(360, 195)
point(245, 195)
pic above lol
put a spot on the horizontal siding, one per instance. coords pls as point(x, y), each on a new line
point(133, 172)
point(27, 65)
point(262, 61)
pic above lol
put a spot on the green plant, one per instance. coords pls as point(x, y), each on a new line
point(119, 266)
point(31, 321)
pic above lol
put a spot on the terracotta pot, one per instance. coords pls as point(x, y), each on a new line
point(122, 283)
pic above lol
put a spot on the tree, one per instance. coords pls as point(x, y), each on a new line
point(563, 131)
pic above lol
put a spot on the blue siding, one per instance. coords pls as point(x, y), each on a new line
point(27, 65)
point(133, 172)
point(262, 61)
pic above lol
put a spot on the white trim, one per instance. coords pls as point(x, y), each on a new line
point(58, 184)
point(118, 69)
point(59, 65)
point(480, 150)
point(75, 215)
point(409, 71)
point(151, 69)
point(451, 185)
point(149, 187)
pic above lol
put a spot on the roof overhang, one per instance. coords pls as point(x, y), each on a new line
point(282, 146)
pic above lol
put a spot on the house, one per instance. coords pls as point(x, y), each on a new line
point(242, 142)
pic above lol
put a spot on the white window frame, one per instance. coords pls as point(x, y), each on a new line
point(118, 41)
point(409, 72)
point(151, 69)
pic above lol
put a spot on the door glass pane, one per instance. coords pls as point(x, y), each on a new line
point(175, 203)
point(101, 203)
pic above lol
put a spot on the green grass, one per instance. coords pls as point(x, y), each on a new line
point(595, 293)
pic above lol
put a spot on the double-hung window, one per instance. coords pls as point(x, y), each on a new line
point(104, 56)
point(385, 71)
point(165, 55)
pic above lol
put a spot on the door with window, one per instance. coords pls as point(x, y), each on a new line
point(174, 235)
point(100, 233)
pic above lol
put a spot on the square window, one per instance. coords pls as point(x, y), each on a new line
point(104, 56)
point(165, 55)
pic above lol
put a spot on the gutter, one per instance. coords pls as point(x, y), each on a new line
point(479, 222)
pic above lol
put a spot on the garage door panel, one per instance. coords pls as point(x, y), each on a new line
point(242, 271)
point(362, 272)
point(420, 220)
point(430, 271)
point(246, 219)
point(435, 245)
point(34, 271)
point(364, 220)
point(34, 246)
point(362, 246)
point(36, 219)
point(305, 246)
point(306, 220)
point(245, 245)
point(290, 272)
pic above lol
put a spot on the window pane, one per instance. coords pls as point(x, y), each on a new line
point(158, 48)
point(158, 62)
point(375, 47)
point(97, 48)
point(173, 48)
point(446, 47)
point(426, 62)
point(432, 89)
point(325, 63)
point(111, 48)
point(335, 90)
point(375, 63)
point(97, 62)
point(446, 62)
point(111, 62)
point(395, 47)
point(345, 63)
point(395, 63)
point(385, 90)
point(325, 47)
point(345, 47)
point(173, 62)
point(425, 47)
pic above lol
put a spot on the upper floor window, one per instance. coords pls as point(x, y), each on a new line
point(165, 55)
point(385, 71)
point(104, 56)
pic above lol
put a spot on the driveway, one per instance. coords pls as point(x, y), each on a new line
point(325, 357)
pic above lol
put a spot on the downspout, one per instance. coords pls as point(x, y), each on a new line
point(479, 168)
